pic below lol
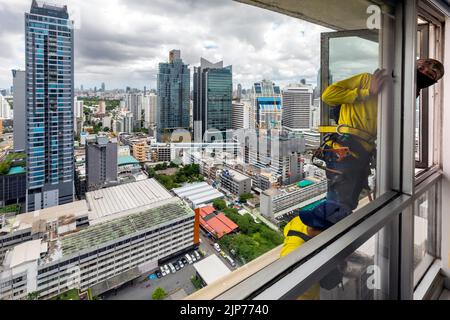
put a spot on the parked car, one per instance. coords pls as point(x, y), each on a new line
point(163, 272)
point(197, 255)
point(166, 268)
point(184, 260)
point(181, 264)
point(230, 261)
point(193, 257)
point(217, 247)
point(177, 266)
point(188, 258)
point(222, 253)
point(172, 268)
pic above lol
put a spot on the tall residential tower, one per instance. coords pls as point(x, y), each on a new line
point(49, 105)
point(173, 86)
point(266, 106)
point(297, 105)
point(213, 95)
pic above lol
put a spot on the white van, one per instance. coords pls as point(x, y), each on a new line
point(172, 268)
point(230, 261)
point(188, 258)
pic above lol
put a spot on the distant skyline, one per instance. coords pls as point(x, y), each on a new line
point(121, 42)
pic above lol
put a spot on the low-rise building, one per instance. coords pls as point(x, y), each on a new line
point(235, 182)
point(101, 162)
point(130, 229)
point(197, 194)
point(160, 152)
point(211, 269)
point(215, 223)
point(276, 202)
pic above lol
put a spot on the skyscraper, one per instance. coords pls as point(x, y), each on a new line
point(173, 87)
point(5, 108)
point(49, 97)
point(134, 104)
point(297, 104)
point(19, 110)
point(149, 107)
point(213, 94)
point(266, 106)
point(103, 87)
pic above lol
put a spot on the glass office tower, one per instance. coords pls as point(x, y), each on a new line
point(173, 86)
point(49, 104)
point(213, 95)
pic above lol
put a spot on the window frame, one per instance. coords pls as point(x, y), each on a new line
point(283, 279)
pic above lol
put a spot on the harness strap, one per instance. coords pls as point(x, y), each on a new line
point(298, 234)
point(344, 129)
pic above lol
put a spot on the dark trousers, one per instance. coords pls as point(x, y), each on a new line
point(344, 189)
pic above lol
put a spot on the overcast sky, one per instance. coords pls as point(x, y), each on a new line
point(121, 42)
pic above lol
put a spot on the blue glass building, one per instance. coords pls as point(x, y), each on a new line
point(213, 95)
point(266, 106)
point(173, 86)
point(49, 106)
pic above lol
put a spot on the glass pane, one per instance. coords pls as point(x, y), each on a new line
point(350, 56)
point(363, 275)
point(425, 231)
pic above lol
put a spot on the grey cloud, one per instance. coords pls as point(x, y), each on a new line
point(121, 43)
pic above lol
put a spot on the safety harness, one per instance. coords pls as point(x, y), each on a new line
point(350, 139)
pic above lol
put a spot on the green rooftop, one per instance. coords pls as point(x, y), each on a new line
point(123, 160)
point(312, 205)
point(304, 183)
point(16, 170)
point(102, 233)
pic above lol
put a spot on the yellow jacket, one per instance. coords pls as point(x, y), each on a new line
point(358, 107)
point(293, 242)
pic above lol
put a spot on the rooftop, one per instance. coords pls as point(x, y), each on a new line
point(16, 170)
point(237, 176)
point(34, 218)
point(24, 252)
point(124, 160)
point(102, 233)
point(198, 193)
point(211, 269)
point(113, 202)
point(216, 222)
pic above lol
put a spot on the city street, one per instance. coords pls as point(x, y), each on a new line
point(142, 287)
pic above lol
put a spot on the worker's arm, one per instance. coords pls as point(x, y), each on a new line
point(346, 91)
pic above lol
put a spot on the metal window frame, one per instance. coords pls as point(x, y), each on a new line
point(325, 38)
point(315, 268)
point(277, 270)
point(423, 146)
point(285, 279)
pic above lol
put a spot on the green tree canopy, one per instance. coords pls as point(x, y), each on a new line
point(219, 204)
point(245, 196)
point(159, 294)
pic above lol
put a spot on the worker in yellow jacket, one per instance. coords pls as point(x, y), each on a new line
point(349, 148)
point(347, 151)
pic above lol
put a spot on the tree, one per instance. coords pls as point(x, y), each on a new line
point(151, 172)
point(106, 129)
point(173, 165)
point(245, 196)
point(33, 295)
point(161, 166)
point(219, 204)
point(159, 294)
